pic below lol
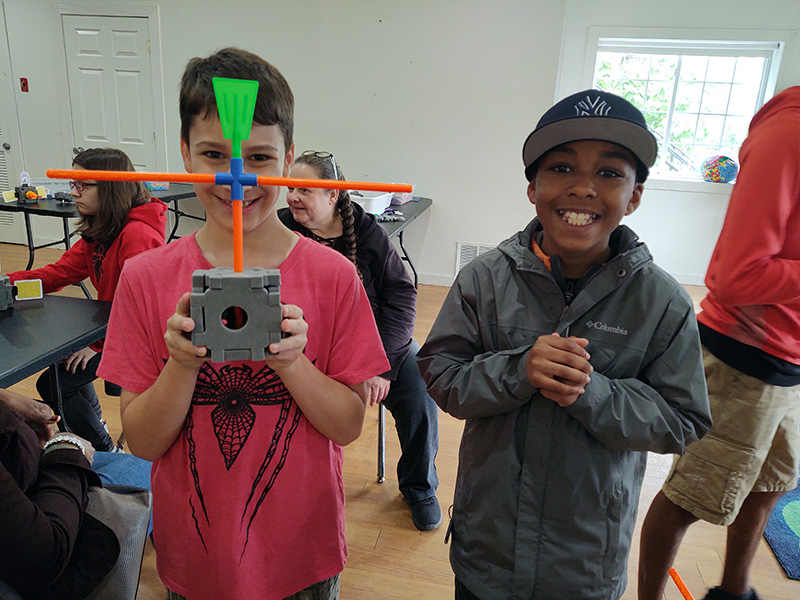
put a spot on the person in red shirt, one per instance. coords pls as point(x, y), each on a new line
point(118, 220)
point(248, 494)
point(750, 331)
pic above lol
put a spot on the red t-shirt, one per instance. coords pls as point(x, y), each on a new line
point(249, 500)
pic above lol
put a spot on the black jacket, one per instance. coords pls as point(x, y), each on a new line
point(46, 535)
point(389, 287)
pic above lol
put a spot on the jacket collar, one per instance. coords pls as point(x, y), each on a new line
point(631, 254)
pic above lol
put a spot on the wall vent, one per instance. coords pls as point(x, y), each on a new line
point(467, 252)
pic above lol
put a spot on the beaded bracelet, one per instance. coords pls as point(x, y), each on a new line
point(66, 439)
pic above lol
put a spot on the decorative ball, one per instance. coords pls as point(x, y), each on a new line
point(720, 169)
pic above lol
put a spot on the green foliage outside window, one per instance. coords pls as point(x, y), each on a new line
point(707, 114)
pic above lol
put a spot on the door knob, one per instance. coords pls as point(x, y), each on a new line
point(77, 150)
point(6, 146)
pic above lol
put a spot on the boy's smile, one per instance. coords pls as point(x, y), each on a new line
point(207, 151)
point(581, 191)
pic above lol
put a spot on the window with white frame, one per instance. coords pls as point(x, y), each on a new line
point(697, 96)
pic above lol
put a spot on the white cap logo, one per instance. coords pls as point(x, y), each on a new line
point(592, 108)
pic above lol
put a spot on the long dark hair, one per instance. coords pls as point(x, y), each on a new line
point(115, 199)
point(324, 168)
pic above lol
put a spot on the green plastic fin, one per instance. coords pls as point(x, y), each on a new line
point(236, 103)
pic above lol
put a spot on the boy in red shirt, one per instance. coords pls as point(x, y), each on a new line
point(247, 482)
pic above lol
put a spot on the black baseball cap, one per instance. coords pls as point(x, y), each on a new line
point(591, 115)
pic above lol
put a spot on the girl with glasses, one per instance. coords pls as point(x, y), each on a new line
point(118, 220)
point(329, 217)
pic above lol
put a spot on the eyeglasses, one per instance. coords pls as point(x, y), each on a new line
point(324, 155)
point(79, 186)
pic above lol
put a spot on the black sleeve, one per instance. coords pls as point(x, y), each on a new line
point(40, 526)
point(393, 298)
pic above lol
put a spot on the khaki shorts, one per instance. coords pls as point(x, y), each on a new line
point(753, 446)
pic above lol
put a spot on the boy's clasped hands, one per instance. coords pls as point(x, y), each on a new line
point(559, 367)
point(284, 353)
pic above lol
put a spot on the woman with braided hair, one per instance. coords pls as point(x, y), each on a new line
point(329, 217)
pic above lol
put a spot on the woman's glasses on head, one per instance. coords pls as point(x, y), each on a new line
point(324, 155)
point(79, 186)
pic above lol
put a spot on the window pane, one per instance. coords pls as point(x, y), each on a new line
point(709, 130)
point(633, 92)
point(609, 65)
point(662, 68)
point(636, 66)
point(749, 70)
point(657, 122)
point(682, 129)
point(693, 68)
point(688, 98)
point(659, 95)
point(677, 157)
point(609, 85)
point(720, 68)
point(743, 100)
point(735, 131)
point(715, 98)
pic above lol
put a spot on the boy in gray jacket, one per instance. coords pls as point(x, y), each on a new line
point(570, 355)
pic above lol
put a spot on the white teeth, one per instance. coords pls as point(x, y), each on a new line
point(576, 218)
point(244, 204)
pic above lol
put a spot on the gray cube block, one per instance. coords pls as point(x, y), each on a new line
point(228, 333)
point(6, 293)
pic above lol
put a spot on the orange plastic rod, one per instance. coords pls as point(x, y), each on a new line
point(130, 176)
point(328, 184)
point(687, 595)
point(238, 238)
point(333, 184)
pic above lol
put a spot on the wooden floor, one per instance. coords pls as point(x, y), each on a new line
point(389, 559)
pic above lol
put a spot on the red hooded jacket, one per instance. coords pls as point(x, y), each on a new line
point(754, 275)
point(144, 229)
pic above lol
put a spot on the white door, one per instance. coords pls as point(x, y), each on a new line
point(12, 227)
point(110, 86)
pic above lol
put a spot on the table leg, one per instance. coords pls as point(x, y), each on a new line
point(175, 212)
point(381, 443)
point(29, 233)
point(55, 386)
point(65, 225)
point(407, 258)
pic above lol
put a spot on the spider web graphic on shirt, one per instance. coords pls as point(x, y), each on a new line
point(233, 390)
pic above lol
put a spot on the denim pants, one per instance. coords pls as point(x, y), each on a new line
point(324, 590)
point(123, 469)
point(81, 406)
point(416, 418)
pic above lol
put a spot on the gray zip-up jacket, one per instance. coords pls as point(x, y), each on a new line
point(546, 497)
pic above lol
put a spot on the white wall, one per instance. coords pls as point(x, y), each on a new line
point(440, 93)
point(679, 222)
